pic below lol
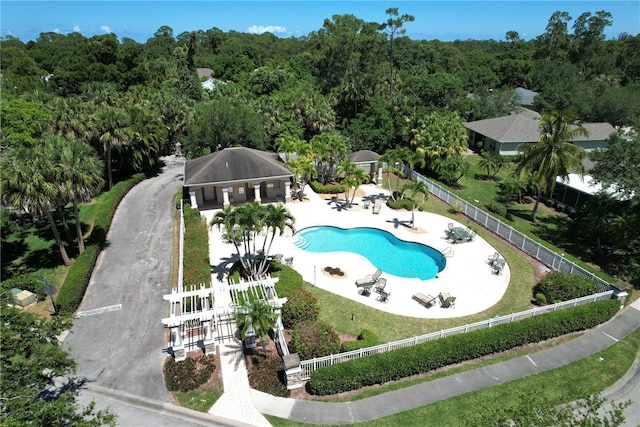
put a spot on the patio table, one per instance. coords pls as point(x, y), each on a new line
point(459, 234)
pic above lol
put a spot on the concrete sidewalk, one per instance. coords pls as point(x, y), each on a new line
point(423, 394)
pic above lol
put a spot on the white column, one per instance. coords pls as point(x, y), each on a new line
point(287, 190)
point(256, 191)
point(380, 174)
point(225, 196)
point(193, 199)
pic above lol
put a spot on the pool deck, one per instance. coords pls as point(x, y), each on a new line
point(467, 275)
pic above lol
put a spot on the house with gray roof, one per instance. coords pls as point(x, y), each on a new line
point(503, 134)
point(368, 161)
point(236, 175)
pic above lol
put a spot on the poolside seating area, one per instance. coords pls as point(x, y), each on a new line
point(497, 266)
point(377, 205)
point(368, 282)
point(459, 234)
point(427, 300)
point(464, 274)
point(446, 300)
point(384, 296)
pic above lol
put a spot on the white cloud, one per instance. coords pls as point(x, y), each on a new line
point(56, 30)
point(76, 29)
point(105, 28)
point(259, 29)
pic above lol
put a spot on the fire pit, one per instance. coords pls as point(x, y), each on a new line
point(334, 271)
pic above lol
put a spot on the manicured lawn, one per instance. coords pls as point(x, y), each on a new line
point(552, 229)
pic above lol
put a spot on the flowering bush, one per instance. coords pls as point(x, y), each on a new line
point(314, 339)
point(301, 306)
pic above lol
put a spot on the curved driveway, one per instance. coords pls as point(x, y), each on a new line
point(119, 343)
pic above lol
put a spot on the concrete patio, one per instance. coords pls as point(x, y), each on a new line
point(467, 275)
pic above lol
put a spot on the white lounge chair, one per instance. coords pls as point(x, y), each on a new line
point(369, 280)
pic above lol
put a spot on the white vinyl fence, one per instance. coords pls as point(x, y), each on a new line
point(311, 365)
point(525, 244)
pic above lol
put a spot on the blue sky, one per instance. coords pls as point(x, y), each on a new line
point(442, 20)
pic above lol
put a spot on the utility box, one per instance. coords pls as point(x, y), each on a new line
point(23, 298)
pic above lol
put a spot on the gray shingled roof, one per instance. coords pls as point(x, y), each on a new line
point(523, 127)
point(232, 165)
point(363, 156)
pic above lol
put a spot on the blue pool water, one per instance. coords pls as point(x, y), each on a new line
point(383, 249)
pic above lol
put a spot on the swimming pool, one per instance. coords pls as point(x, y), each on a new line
point(381, 248)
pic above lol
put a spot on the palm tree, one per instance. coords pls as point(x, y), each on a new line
point(276, 220)
point(491, 162)
point(245, 225)
point(109, 128)
point(304, 171)
point(26, 183)
point(395, 160)
point(80, 178)
point(553, 155)
point(415, 187)
point(255, 317)
point(352, 177)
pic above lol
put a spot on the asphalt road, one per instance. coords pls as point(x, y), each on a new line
point(119, 343)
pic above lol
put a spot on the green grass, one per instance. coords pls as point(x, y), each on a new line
point(199, 400)
point(577, 380)
point(553, 229)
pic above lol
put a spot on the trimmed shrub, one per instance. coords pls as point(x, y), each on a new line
point(77, 280)
point(197, 268)
point(367, 338)
point(289, 280)
point(400, 204)
point(266, 374)
point(301, 306)
point(188, 374)
point(541, 299)
point(497, 208)
point(419, 359)
point(321, 188)
point(557, 286)
point(314, 339)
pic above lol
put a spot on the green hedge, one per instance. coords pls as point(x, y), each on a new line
point(197, 266)
point(367, 338)
point(289, 280)
point(321, 188)
point(77, 280)
point(405, 362)
point(557, 286)
point(401, 204)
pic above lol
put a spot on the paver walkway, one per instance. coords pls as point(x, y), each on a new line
point(236, 403)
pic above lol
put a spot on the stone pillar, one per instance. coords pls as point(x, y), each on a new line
point(225, 196)
point(256, 191)
point(292, 370)
point(380, 175)
point(193, 199)
point(287, 190)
